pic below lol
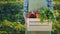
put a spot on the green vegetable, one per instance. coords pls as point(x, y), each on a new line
point(47, 14)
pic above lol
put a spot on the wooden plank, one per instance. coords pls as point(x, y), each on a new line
point(35, 25)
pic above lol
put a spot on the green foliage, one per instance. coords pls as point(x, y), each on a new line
point(47, 14)
point(11, 18)
point(58, 17)
point(9, 11)
point(7, 0)
point(57, 7)
point(57, 25)
point(11, 27)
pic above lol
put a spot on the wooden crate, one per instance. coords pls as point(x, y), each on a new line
point(34, 24)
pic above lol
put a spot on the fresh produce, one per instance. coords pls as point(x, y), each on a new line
point(50, 16)
point(37, 14)
point(47, 14)
point(32, 15)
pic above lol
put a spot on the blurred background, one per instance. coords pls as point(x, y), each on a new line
point(56, 6)
point(11, 17)
point(12, 20)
